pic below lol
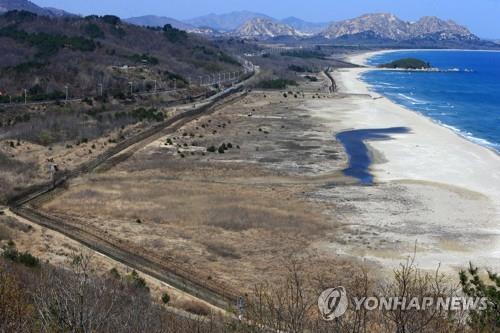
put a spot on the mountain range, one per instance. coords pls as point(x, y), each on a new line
point(8, 5)
point(388, 26)
point(375, 28)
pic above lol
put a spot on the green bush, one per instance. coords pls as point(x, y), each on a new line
point(165, 298)
point(93, 31)
point(475, 286)
point(147, 114)
point(111, 19)
point(298, 69)
point(28, 259)
point(137, 282)
point(174, 35)
point(276, 84)
point(25, 258)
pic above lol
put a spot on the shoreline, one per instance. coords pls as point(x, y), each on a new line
point(361, 58)
point(352, 83)
point(446, 187)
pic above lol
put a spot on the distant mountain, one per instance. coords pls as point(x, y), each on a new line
point(8, 5)
point(225, 22)
point(304, 26)
point(158, 21)
point(388, 26)
point(266, 28)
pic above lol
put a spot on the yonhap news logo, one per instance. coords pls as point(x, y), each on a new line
point(334, 302)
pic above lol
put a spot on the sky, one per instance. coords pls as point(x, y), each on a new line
point(480, 16)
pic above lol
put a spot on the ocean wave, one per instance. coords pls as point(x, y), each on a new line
point(412, 100)
point(471, 137)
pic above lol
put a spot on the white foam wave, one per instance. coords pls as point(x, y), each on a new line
point(412, 100)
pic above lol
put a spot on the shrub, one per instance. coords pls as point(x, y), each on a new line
point(474, 286)
point(165, 298)
point(137, 282)
point(276, 84)
point(111, 19)
point(25, 258)
point(147, 114)
point(211, 149)
point(195, 308)
point(299, 69)
point(93, 31)
point(114, 273)
point(174, 35)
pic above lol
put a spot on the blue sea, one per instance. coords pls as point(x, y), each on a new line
point(465, 96)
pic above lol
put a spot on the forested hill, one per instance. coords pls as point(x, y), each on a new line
point(44, 54)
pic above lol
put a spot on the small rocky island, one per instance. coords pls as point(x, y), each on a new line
point(407, 63)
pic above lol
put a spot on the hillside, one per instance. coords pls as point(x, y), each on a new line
point(43, 55)
point(158, 21)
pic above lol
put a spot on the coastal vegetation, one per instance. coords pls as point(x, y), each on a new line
point(407, 63)
point(276, 84)
point(36, 296)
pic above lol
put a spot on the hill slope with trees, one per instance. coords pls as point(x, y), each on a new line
point(45, 54)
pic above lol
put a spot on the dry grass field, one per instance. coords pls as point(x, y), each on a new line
point(232, 217)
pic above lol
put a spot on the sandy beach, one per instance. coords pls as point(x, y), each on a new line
point(432, 186)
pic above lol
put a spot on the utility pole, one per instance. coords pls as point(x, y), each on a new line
point(131, 88)
point(155, 87)
point(25, 96)
point(66, 88)
point(100, 89)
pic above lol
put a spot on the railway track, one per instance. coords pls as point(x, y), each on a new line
point(163, 269)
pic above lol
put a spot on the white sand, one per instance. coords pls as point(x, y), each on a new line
point(448, 188)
